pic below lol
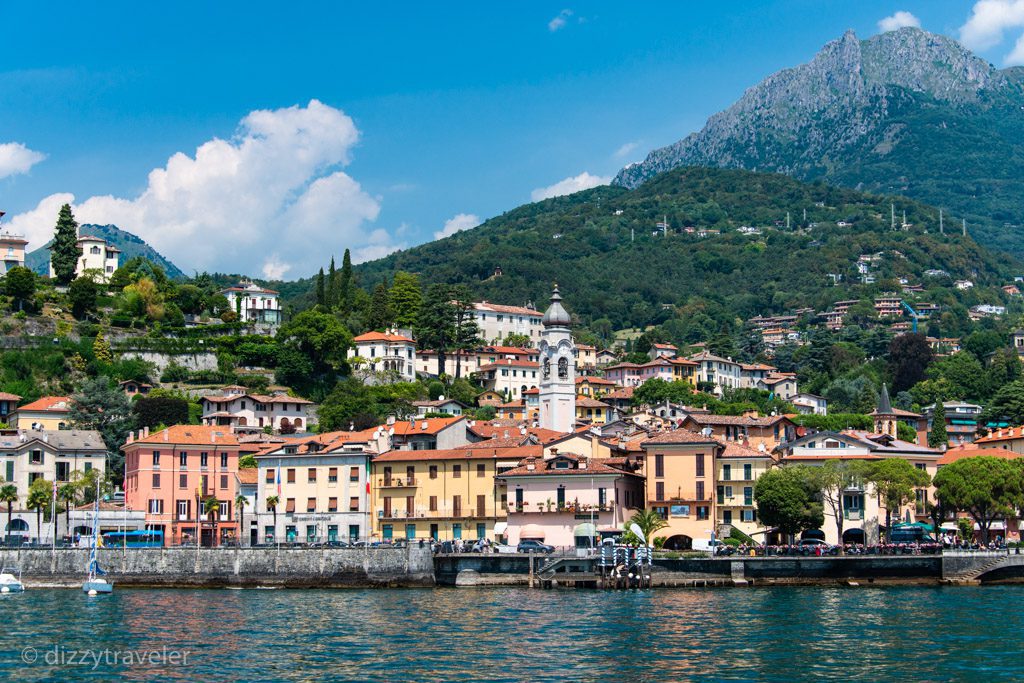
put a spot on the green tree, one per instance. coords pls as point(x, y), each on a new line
point(20, 285)
point(64, 248)
point(832, 479)
point(1007, 404)
point(895, 481)
point(99, 404)
point(321, 289)
point(909, 358)
point(101, 349)
point(345, 284)
point(190, 299)
point(467, 331)
point(240, 503)
point(787, 500)
point(965, 372)
point(322, 340)
point(9, 496)
point(82, 294)
point(68, 494)
point(272, 503)
point(520, 341)
point(436, 328)
point(39, 495)
point(211, 510)
point(406, 299)
point(649, 521)
point(332, 287)
point(938, 436)
point(247, 462)
point(380, 308)
point(154, 411)
point(985, 487)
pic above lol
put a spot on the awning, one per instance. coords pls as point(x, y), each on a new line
point(500, 528)
point(949, 526)
point(585, 530)
point(534, 531)
point(994, 526)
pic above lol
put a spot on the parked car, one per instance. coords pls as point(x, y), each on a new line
point(531, 546)
point(811, 542)
point(503, 548)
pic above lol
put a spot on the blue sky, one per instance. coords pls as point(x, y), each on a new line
point(379, 124)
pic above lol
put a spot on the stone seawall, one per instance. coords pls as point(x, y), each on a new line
point(215, 567)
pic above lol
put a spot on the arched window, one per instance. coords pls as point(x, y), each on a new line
point(18, 525)
point(563, 368)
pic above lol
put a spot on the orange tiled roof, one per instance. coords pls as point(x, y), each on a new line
point(381, 336)
point(433, 425)
point(954, 454)
point(53, 404)
point(680, 436)
point(248, 475)
point(191, 435)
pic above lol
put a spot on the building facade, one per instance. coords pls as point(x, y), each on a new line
point(242, 411)
point(497, 321)
point(254, 304)
point(47, 413)
point(386, 355)
point(184, 477)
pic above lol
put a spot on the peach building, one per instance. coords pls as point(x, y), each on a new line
point(171, 474)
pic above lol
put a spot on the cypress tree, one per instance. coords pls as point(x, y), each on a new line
point(64, 249)
point(332, 287)
point(938, 435)
point(346, 286)
point(380, 313)
point(321, 295)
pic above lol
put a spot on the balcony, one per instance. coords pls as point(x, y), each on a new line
point(553, 509)
point(396, 482)
point(434, 514)
point(853, 515)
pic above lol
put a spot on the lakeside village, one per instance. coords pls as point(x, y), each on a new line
point(542, 444)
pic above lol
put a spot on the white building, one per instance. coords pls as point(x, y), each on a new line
point(558, 376)
point(243, 411)
point(810, 404)
point(386, 354)
point(321, 484)
point(497, 321)
point(96, 258)
point(723, 373)
point(254, 303)
point(51, 455)
point(511, 378)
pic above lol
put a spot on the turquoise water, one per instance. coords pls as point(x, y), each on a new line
point(764, 634)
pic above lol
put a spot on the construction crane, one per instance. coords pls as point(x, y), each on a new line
point(913, 314)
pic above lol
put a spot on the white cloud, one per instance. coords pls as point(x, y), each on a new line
point(560, 20)
point(1016, 57)
point(626, 149)
point(457, 223)
point(584, 181)
point(270, 200)
point(16, 158)
point(988, 20)
point(901, 19)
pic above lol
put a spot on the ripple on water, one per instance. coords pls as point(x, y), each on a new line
point(769, 634)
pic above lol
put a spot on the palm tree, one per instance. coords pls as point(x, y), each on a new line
point(69, 494)
point(649, 522)
point(211, 508)
point(272, 502)
point(9, 495)
point(38, 500)
point(240, 503)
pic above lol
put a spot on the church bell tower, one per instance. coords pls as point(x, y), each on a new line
point(558, 368)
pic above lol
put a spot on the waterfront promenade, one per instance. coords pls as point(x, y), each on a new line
point(415, 566)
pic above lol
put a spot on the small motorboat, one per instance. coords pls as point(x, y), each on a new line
point(9, 583)
point(96, 586)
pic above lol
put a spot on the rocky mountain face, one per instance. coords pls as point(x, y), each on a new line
point(905, 112)
point(129, 244)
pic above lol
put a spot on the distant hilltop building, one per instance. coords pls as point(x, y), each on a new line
point(254, 304)
point(96, 258)
point(496, 321)
point(12, 251)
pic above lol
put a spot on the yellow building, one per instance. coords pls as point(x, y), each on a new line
point(737, 469)
point(443, 494)
point(594, 387)
point(49, 412)
point(592, 411)
point(680, 471)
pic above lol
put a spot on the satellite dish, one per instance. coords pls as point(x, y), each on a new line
point(638, 532)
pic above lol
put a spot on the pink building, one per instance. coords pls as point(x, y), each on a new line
point(567, 500)
point(635, 374)
point(171, 474)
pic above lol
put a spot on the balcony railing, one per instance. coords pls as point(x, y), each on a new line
point(554, 509)
point(396, 482)
point(853, 515)
point(435, 514)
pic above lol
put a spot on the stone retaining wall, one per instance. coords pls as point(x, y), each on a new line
point(341, 567)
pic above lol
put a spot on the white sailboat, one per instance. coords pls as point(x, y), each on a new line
point(94, 583)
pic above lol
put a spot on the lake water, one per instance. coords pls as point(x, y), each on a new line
point(768, 634)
